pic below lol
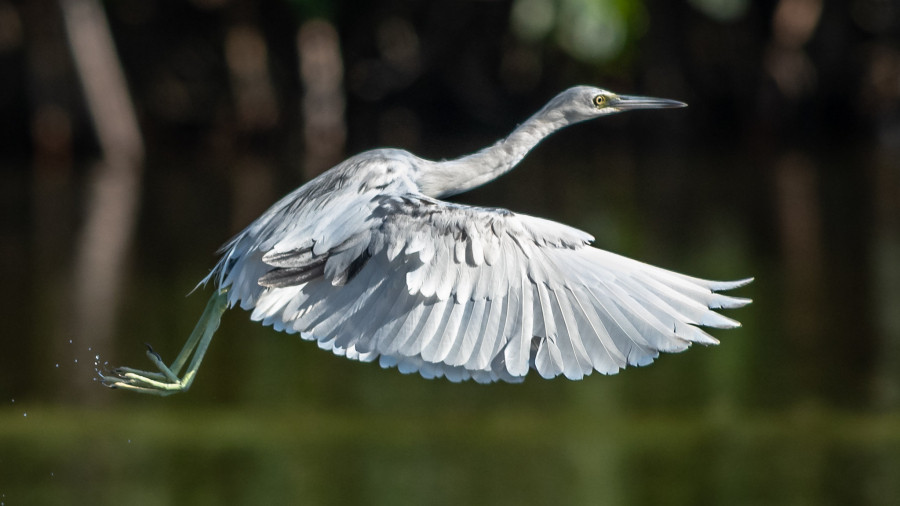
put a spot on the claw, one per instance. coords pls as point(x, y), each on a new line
point(151, 351)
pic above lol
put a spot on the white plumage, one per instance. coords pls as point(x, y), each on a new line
point(367, 262)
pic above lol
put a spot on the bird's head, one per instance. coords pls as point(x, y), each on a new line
point(582, 103)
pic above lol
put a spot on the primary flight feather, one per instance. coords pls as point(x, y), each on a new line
point(369, 263)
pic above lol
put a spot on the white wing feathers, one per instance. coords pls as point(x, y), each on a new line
point(465, 292)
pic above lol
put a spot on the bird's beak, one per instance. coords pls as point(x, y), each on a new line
point(628, 102)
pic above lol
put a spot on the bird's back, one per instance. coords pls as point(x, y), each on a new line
point(321, 213)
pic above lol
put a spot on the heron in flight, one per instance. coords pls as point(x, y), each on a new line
point(367, 261)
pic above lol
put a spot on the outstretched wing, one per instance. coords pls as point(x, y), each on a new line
point(467, 292)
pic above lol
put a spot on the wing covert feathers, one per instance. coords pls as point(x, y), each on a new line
point(462, 292)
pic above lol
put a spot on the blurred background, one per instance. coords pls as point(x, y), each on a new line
point(136, 136)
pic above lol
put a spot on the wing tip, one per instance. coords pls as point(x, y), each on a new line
point(718, 286)
point(733, 303)
point(709, 340)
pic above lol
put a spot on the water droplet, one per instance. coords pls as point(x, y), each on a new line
point(57, 365)
point(70, 341)
point(25, 414)
point(76, 360)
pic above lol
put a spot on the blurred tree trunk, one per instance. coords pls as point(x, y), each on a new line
point(796, 184)
point(322, 75)
point(800, 225)
point(51, 130)
point(256, 113)
point(114, 182)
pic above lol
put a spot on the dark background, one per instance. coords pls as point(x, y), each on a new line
point(136, 136)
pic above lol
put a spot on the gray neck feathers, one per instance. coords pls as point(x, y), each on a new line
point(441, 179)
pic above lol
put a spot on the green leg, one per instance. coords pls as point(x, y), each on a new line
point(167, 381)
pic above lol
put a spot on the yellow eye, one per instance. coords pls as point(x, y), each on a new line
point(600, 101)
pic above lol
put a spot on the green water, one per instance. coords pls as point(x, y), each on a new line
point(154, 454)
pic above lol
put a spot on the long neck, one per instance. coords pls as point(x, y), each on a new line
point(441, 179)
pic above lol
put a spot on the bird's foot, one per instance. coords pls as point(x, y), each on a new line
point(165, 382)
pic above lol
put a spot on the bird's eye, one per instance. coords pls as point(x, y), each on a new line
point(599, 100)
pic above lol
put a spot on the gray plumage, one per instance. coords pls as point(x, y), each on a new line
point(365, 260)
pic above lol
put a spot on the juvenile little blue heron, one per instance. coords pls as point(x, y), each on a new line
point(366, 261)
